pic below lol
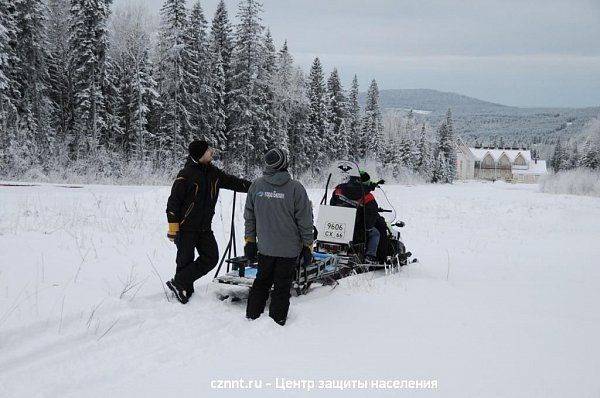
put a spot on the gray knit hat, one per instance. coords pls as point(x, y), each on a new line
point(276, 159)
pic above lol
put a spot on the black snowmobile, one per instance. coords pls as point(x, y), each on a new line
point(338, 251)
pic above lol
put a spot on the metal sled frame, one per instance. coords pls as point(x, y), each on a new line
point(331, 262)
point(325, 269)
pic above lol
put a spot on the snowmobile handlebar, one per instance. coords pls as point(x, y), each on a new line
point(399, 224)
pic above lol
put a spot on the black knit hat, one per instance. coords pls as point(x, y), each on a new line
point(276, 159)
point(197, 149)
point(364, 176)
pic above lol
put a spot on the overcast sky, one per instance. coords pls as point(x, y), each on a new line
point(514, 52)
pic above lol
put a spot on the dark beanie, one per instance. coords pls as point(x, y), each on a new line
point(197, 149)
point(276, 159)
point(364, 176)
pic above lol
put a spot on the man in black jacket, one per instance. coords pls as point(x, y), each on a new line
point(190, 210)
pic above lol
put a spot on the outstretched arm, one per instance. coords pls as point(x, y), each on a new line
point(233, 183)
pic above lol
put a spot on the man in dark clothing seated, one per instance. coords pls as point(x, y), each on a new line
point(356, 193)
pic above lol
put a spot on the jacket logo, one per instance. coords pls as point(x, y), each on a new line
point(270, 195)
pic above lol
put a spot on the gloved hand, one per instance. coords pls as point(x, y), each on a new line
point(374, 185)
point(173, 233)
point(306, 255)
point(250, 250)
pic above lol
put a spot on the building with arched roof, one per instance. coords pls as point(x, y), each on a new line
point(507, 164)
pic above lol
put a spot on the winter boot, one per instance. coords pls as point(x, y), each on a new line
point(180, 293)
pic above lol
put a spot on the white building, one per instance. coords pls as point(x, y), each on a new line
point(508, 164)
point(465, 161)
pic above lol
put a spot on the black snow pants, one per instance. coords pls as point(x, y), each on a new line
point(188, 269)
point(277, 272)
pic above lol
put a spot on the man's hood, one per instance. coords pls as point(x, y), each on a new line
point(276, 177)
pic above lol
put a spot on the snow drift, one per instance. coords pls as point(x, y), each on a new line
point(504, 302)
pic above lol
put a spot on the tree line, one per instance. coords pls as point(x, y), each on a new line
point(579, 152)
point(80, 85)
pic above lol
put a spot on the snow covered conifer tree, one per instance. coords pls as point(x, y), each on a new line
point(9, 61)
point(441, 170)
point(560, 157)
point(284, 100)
point(405, 152)
point(265, 131)
point(198, 75)
point(590, 156)
point(109, 136)
point(88, 46)
point(135, 85)
point(144, 98)
point(409, 125)
point(446, 144)
point(60, 86)
point(292, 110)
point(9, 93)
point(285, 68)
point(298, 141)
point(220, 35)
point(574, 156)
point(354, 128)
point(32, 73)
point(390, 153)
point(444, 147)
point(424, 161)
point(218, 107)
point(221, 48)
point(372, 125)
point(337, 113)
point(317, 116)
point(4, 48)
point(244, 107)
point(174, 120)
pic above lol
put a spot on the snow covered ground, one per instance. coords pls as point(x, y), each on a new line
point(504, 302)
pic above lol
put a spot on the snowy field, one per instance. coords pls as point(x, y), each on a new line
point(505, 301)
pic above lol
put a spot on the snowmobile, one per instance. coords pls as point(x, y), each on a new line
point(337, 254)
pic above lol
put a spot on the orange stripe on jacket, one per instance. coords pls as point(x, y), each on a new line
point(368, 197)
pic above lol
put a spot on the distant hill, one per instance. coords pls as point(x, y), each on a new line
point(435, 101)
point(477, 120)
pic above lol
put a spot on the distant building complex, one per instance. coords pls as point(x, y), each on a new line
point(507, 164)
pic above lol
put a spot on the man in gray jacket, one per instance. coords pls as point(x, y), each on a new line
point(279, 229)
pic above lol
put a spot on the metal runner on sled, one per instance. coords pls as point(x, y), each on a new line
point(335, 254)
